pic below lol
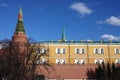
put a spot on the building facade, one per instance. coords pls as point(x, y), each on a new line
point(80, 52)
point(71, 59)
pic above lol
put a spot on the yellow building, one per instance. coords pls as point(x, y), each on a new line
point(78, 52)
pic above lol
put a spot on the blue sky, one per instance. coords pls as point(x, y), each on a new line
point(44, 19)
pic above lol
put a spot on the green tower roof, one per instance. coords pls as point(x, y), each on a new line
point(63, 38)
point(20, 25)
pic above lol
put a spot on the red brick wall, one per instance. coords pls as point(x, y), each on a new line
point(67, 71)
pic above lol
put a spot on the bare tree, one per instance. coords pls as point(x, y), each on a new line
point(17, 66)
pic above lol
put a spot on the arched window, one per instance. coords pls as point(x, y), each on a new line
point(77, 61)
point(44, 61)
point(57, 61)
point(63, 50)
point(43, 50)
point(62, 61)
point(116, 50)
point(95, 50)
point(101, 61)
point(82, 50)
point(58, 50)
point(118, 61)
point(76, 50)
point(96, 61)
point(38, 50)
point(82, 61)
point(101, 51)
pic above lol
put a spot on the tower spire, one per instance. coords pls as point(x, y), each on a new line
point(63, 38)
point(19, 39)
point(20, 25)
point(20, 15)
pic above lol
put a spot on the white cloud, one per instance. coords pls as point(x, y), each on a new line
point(3, 4)
point(110, 37)
point(81, 8)
point(112, 20)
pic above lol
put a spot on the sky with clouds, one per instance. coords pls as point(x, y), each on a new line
point(44, 19)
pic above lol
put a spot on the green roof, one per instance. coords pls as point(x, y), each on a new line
point(20, 25)
point(63, 38)
point(78, 42)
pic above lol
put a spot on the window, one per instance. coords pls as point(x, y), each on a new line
point(38, 50)
point(101, 51)
point(57, 50)
point(43, 50)
point(95, 50)
point(96, 61)
point(63, 50)
point(44, 61)
point(57, 61)
point(82, 61)
point(76, 50)
point(118, 61)
point(116, 50)
point(82, 50)
point(77, 61)
point(101, 61)
point(62, 61)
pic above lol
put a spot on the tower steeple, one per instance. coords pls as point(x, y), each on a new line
point(20, 25)
point(19, 39)
point(63, 38)
point(20, 15)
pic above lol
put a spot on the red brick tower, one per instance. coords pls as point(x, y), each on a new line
point(19, 39)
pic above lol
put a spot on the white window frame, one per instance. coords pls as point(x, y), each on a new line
point(101, 61)
point(63, 50)
point(95, 50)
point(57, 61)
point(77, 50)
point(77, 61)
point(82, 51)
point(116, 51)
point(117, 61)
point(63, 61)
point(57, 50)
point(44, 61)
point(82, 61)
point(96, 61)
point(101, 51)
point(43, 50)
